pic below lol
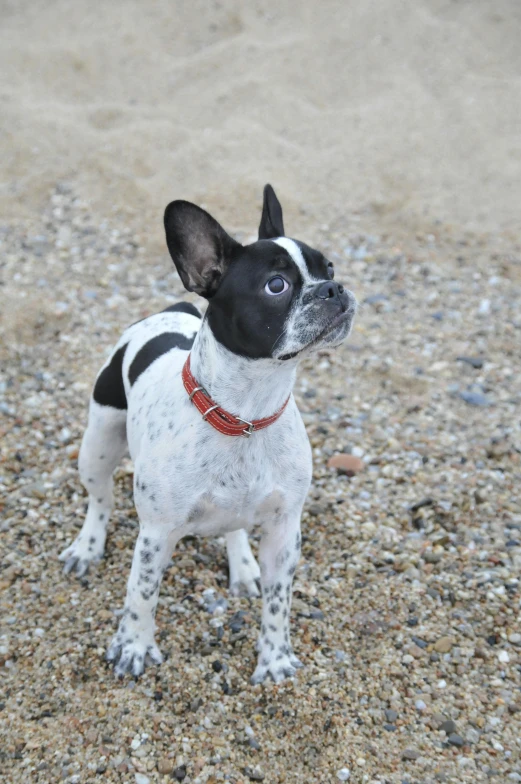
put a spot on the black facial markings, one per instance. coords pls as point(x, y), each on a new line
point(241, 315)
point(183, 307)
point(109, 389)
point(315, 261)
point(154, 349)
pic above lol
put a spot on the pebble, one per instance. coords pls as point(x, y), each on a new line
point(141, 778)
point(165, 765)
point(472, 735)
point(475, 362)
point(420, 705)
point(443, 645)
point(344, 774)
point(411, 754)
point(474, 398)
point(254, 774)
point(346, 464)
point(456, 740)
point(503, 657)
point(448, 727)
point(391, 715)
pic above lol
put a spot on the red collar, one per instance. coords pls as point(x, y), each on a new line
point(217, 417)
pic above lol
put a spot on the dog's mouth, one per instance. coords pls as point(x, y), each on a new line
point(336, 324)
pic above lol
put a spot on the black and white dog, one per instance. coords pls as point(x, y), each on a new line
point(179, 389)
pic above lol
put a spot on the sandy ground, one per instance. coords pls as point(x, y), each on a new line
point(392, 133)
point(407, 111)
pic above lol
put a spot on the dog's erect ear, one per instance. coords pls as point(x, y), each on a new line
point(199, 246)
point(271, 224)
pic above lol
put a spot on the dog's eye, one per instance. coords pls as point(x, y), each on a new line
point(276, 285)
point(330, 269)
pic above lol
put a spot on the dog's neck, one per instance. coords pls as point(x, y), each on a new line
point(249, 388)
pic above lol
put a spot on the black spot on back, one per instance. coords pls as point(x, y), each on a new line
point(109, 389)
point(155, 348)
point(183, 307)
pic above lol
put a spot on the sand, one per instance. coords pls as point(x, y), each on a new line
point(402, 113)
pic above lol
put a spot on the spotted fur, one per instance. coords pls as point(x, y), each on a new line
point(189, 478)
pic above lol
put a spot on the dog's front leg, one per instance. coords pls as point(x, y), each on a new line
point(133, 644)
point(279, 553)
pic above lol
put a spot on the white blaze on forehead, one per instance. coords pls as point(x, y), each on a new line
point(296, 254)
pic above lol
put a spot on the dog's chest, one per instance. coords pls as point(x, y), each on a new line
point(234, 487)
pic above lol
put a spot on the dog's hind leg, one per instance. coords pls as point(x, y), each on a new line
point(103, 446)
point(244, 569)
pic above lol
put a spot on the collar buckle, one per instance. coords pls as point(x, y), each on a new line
point(247, 432)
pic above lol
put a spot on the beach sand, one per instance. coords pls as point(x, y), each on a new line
point(405, 112)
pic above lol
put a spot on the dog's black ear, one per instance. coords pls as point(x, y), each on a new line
point(199, 246)
point(271, 224)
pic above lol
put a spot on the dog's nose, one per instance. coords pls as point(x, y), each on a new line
point(334, 292)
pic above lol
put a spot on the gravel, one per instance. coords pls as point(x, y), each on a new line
point(406, 600)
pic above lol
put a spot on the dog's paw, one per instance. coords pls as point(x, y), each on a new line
point(84, 551)
point(245, 578)
point(132, 656)
point(278, 667)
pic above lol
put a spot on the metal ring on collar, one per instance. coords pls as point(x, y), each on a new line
point(212, 408)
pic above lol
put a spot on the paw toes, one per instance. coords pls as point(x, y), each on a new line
point(70, 564)
point(278, 671)
point(131, 659)
point(154, 654)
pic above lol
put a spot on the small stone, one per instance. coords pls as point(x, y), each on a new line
point(514, 638)
point(254, 774)
point(141, 778)
point(391, 715)
point(165, 765)
point(317, 509)
point(475, 362)
point(448, 727)
point(433, 556)
point(474, 398)
point(346, 464)
point(420, 705)
point(411, 754)
point(420, 504)
point(472, 735)
point(456, 740)
point(217, 666)
point(443, 645)
point(180, 773)
point(344, 774)
point(503, 657)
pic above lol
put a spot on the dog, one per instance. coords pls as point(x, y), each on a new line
point(205, 407)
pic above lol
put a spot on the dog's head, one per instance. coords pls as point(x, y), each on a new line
point(274, 298)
